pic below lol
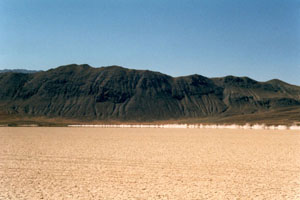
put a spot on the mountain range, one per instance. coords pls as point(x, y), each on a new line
point(83, 94)
point(25, 71)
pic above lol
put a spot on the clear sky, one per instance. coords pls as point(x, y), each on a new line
point(255, 38)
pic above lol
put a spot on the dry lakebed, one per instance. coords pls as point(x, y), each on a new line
point(148, 163)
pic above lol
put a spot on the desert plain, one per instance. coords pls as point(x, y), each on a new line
point(148, 163)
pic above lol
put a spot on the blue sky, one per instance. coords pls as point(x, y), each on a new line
point(257, 38)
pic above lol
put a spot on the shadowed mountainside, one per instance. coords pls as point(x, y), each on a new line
point(85, 93)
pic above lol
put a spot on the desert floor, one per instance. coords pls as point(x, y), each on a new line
point(148, 163)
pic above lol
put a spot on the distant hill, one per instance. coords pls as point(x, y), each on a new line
point(24, 71)
point(83, 93)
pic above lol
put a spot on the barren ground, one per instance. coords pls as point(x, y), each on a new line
point(99, 163)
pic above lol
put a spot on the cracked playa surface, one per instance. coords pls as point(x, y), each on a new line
point(115, 163)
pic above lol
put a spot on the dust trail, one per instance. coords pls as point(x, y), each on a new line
point(215, 126)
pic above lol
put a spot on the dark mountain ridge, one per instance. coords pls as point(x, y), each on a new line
point(82, 92)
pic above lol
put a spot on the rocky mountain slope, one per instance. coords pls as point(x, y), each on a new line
point(82, 92)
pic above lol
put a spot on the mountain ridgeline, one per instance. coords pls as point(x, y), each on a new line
point(24, 71)
point(114, 93)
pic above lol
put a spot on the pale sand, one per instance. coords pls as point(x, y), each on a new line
point(107, 163)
